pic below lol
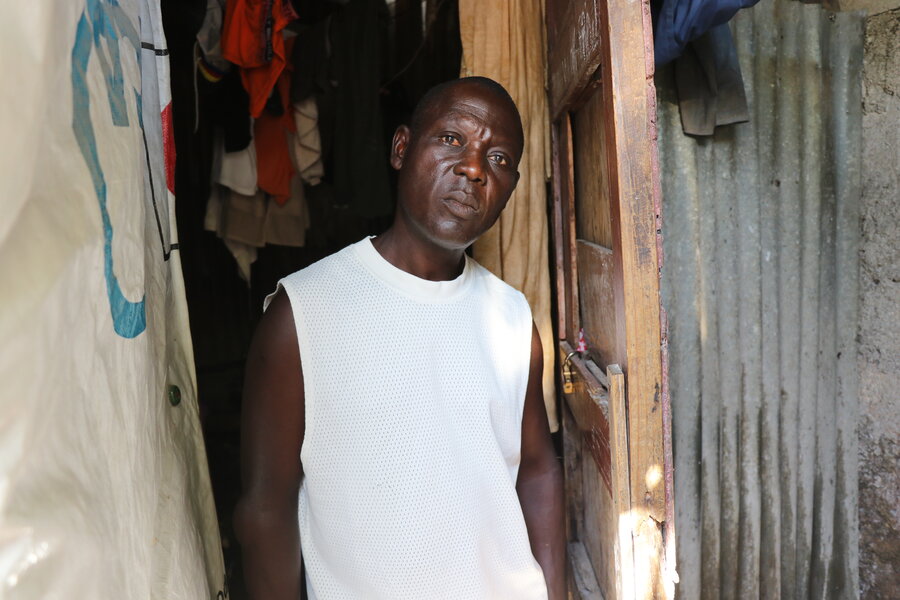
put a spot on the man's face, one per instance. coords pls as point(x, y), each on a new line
point(458, 170)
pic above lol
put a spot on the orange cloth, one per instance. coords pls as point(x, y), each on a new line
point(245, 43)
point(505, 41)
point(271, 136)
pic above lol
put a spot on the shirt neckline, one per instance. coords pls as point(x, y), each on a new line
point(406, 283)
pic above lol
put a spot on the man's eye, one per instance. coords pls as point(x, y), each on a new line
point(499, 159)
point(449, 139)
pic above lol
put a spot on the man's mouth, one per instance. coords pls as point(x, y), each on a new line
point(461, 202)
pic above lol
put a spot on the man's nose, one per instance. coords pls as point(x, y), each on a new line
point(471, 166)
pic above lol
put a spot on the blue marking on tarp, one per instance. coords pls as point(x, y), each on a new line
point(98, 21)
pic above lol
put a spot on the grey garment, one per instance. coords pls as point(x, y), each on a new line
point(709, 83)
point(210, 34)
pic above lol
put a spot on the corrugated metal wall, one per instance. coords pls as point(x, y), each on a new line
point(760, 283)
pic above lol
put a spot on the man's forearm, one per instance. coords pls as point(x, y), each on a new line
point(541, 496)
point(270, 549)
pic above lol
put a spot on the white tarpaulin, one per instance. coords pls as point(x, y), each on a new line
point(104, 488)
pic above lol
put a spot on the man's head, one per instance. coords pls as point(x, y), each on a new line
point(457, 161)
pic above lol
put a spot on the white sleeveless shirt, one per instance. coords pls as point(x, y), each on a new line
point(414, 394)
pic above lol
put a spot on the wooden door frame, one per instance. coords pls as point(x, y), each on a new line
point(582, 59)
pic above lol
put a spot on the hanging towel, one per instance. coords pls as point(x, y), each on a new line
point(505, 41)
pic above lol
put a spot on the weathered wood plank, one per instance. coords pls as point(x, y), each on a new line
point(570, 251)
point(600, 527)
point(634, 232)
point(596, 289)
point(584, 582)
point(572, 462)
point(634, 191)
point(618, 427)
point(589, 405)
point(574, 36)
point(556, 225)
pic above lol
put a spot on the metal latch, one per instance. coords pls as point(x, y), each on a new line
point(568, 376)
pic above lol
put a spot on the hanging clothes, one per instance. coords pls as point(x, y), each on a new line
point(679, 22)
point(244, 254)
point(252, 39)
point(311, 81)
point(230, 109)
point(248, 222)
point(709, 83)
point(505, 41)
point(695, 35)
point(306, 149)
point(272, 132)
point(236, 170)
point(212, 64)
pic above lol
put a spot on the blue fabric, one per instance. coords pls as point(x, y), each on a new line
point(678, 22)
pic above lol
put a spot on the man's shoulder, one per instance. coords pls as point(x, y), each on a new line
point(496, 287)
point(317, 279)
point(326, 267)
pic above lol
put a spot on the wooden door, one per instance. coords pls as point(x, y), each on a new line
point(606, 239)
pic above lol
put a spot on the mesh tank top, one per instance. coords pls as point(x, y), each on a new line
point(414, 395)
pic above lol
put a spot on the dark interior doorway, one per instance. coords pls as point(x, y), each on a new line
point(406, 46)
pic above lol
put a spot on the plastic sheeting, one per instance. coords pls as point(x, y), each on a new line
point(104, 489)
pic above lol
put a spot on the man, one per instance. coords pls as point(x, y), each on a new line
point(393, 394)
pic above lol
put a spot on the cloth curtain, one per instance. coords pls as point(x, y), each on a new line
point(505, 41)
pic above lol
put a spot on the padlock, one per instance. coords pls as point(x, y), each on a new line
point(568, 376)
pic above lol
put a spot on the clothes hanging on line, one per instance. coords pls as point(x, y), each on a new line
point(709, 83)
point(236, 170)
point(244, 215)
point(306, 149)
point(272, 132)
point(246, 223)
point(695, 35)
point(676, 23)
point(252, 39)
point(257, 220)
point(213, 65)
point(274, 166)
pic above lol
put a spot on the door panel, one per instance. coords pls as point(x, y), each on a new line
point(574, 34)
point(592, 203)
point(605, 237)
point(596, 293)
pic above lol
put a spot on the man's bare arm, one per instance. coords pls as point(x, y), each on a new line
point(272, 426)
point(540, 482)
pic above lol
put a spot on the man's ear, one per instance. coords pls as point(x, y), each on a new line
point(399, 146)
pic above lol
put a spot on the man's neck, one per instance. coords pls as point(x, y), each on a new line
point(424, 259)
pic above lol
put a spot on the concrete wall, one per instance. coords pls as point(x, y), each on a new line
point(879, 328)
